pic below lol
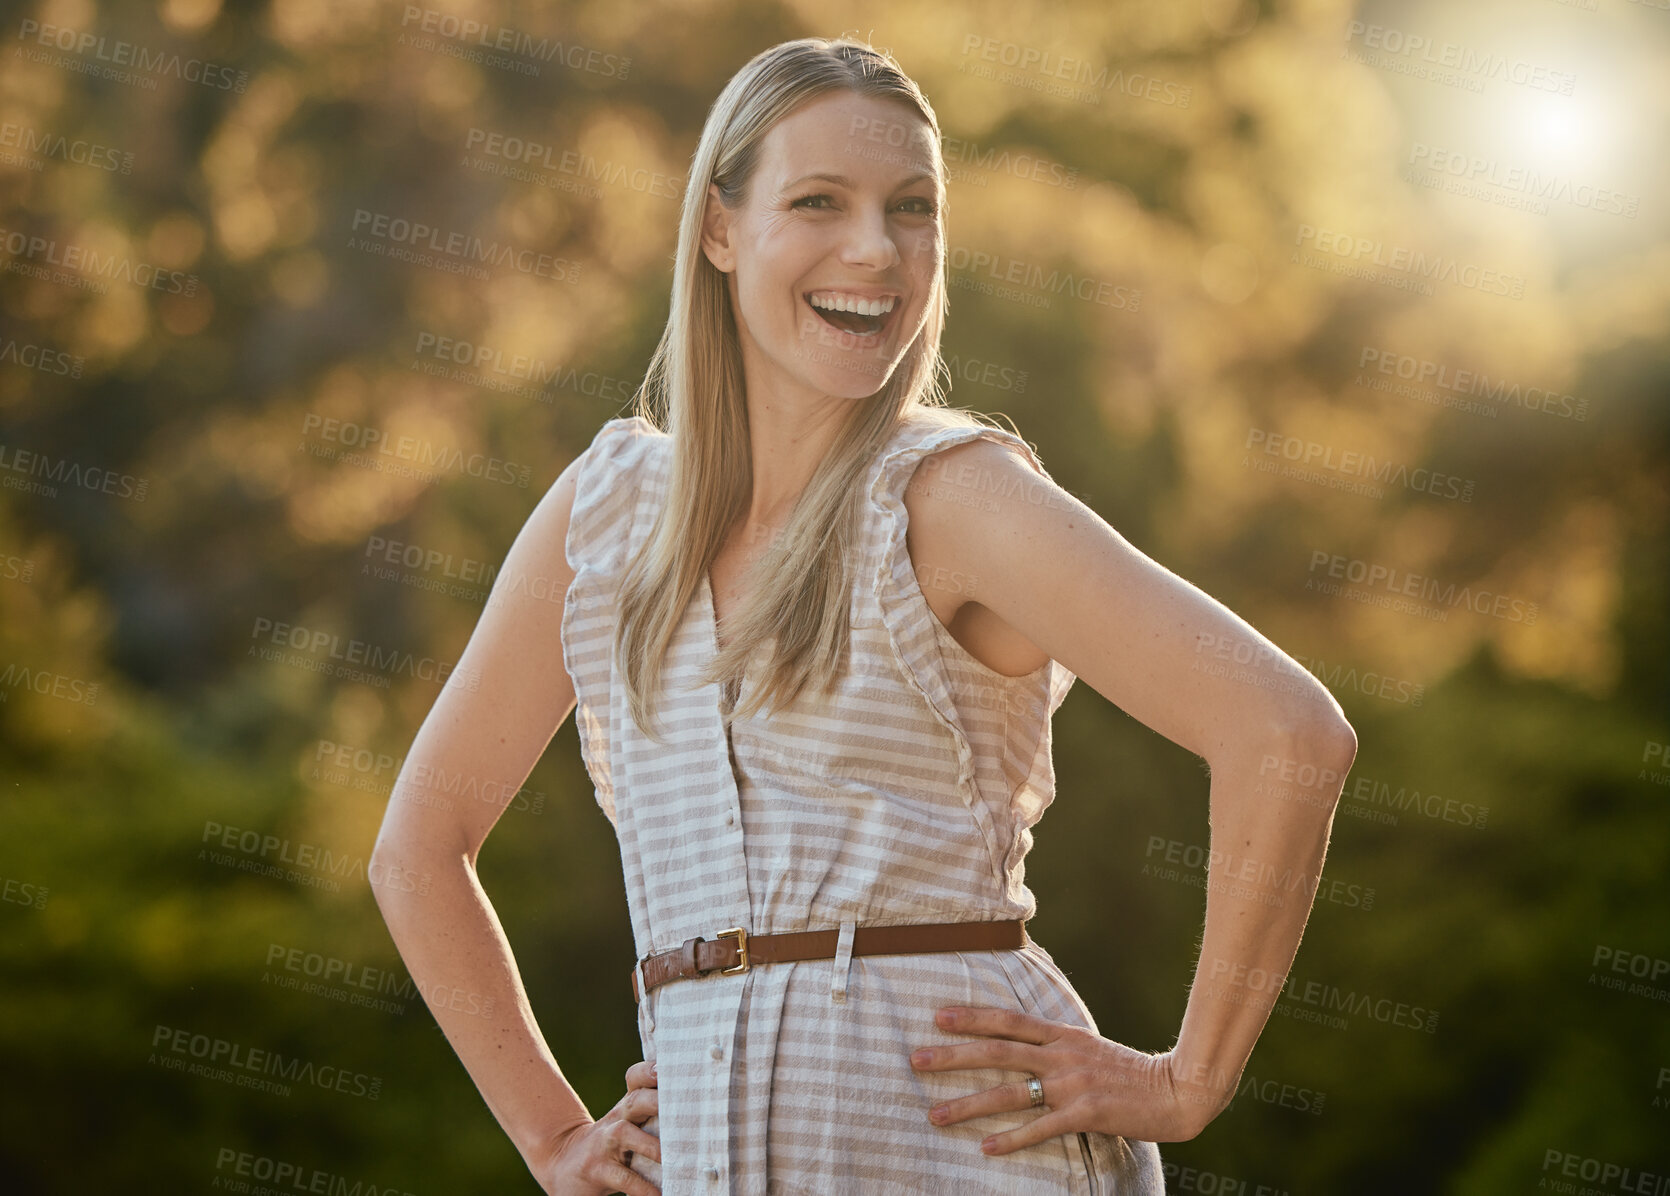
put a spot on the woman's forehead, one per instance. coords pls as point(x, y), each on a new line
point(852, 140)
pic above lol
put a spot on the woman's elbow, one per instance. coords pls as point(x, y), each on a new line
point(1310, 745)
point(1316, 727)
point(1330, 738)
point(399, 868)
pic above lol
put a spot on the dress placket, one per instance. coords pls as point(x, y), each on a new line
point(717, 1164)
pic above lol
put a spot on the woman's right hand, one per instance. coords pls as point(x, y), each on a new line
point(591, 1160)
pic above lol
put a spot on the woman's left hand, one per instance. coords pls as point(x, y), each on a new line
point(1090, 1082)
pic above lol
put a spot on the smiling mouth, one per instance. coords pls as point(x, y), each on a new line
point(850, 322)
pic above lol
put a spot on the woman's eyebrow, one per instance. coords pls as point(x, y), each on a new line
point(841, 180)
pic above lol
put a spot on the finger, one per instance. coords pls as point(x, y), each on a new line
point(1046, 1125)
point(641, 1075)
point(620, 1177)
point(1005, 1098)
point(637, 1140)
point(639, 1105)
point(624, 1136)
point(982, 1052)
point(613, 1150)
point(991, 1020)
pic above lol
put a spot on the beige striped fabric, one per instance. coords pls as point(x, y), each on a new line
point(906, 796)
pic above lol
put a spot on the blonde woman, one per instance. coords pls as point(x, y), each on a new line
point(813, 630)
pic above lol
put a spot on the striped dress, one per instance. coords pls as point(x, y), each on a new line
point(905, 796)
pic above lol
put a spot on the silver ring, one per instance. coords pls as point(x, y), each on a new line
point(1035, 1088)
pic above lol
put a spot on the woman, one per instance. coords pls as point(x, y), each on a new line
point(813, 634)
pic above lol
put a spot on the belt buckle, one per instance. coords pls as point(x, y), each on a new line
point(741, 946)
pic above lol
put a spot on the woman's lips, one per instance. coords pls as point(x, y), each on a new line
point(881, 330)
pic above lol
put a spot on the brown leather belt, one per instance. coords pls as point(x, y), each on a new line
point(733, 951)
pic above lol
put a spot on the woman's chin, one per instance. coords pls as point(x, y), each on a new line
point(859, 382)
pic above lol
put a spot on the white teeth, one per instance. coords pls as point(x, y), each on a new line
point(835, 301)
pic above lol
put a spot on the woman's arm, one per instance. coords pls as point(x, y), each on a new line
point(1185, 665)
point(498, 711)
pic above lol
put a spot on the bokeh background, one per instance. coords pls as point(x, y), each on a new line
point(1354, 315)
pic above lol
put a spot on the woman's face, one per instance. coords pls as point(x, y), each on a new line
point(842, 213)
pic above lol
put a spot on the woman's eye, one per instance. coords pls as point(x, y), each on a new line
point(926, 207)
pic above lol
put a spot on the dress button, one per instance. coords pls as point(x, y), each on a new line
point(730, 817)
point(712, 1173)
point(717, 1051)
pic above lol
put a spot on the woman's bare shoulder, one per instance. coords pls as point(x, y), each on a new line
point(547, 527)
point(956, 497)
point(963, 481)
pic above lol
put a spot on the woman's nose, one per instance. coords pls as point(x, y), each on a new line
point(869, 241)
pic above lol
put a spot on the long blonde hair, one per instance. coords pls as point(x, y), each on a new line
point(800, 588)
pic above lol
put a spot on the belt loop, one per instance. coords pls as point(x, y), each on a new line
point(643, 997)
point(843, 961)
